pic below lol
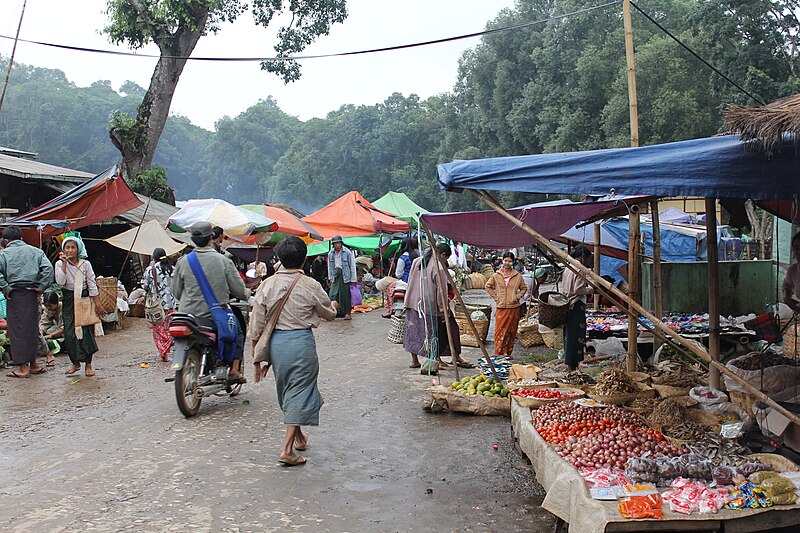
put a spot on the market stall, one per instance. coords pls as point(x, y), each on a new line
point(569, 498)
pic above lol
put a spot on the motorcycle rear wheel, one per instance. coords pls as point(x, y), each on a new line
point(185, 384)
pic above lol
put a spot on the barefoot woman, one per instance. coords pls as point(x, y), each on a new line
point(292, 350)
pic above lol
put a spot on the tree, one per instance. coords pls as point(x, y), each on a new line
point(176, 26)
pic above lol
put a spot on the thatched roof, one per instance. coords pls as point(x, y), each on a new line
point(765, 124)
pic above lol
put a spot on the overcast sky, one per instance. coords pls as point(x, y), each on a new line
point(208, 91)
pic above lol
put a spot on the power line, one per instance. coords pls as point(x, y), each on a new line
point(706, 63)
point(320, 56)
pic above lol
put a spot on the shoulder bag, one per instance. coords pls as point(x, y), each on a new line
point(85, 314)
point(224, 319)
point(261, 348)
point(153, 311)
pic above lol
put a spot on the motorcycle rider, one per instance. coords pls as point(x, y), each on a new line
point(223, 278)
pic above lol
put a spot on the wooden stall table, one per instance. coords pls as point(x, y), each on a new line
point(568, 496)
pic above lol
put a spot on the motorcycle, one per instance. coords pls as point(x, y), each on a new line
point(199, 370)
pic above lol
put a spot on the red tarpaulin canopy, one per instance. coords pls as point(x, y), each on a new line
point(353, 216)
point(100, 198)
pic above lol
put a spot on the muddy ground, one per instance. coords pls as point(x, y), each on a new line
point(113, 452)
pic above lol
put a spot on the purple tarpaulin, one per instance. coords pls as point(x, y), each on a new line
point(489, 229)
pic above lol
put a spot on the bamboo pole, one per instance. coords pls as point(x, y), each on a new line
point(463, 306)
point(658, 327)
point(658, 308)
point(632, 99)
point(445, 306)
point(597, 259)
point(634, 285)
point(713, 288)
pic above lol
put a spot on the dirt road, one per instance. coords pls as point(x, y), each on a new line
point(113, 453)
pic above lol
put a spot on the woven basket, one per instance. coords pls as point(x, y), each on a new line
point(584, 388)
point(791, 340)
point(458, 310)
point(551, 316)
point(707, 420)
point(476, 280)
point(667, 391)
point(465, 331)
point(108, 292)
point(533, 403)
point(778, 463)
point(396, 330)
point(487, 271)
point(554, 339)
point(641, 377)
point(620, 399)
point(528, 334)
point(743, 400)
point(544, 385)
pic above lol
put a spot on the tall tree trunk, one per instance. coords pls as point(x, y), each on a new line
point(139, 146)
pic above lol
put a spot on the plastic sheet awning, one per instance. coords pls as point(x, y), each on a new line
point(714, 167)
point(489, 229)
point(96, 200)
point(146, 238)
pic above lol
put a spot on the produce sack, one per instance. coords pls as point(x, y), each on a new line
point(706, 396)
point(475, 405)
point(770, 380)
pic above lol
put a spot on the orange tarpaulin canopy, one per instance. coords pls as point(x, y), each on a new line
point(353, 216)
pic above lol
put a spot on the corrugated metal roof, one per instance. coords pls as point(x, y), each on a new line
point(27, 169)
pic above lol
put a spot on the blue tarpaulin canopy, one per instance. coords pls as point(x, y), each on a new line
point(714, 167)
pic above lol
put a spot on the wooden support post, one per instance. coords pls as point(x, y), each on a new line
point(658, 308)
point(450, 280)
point(658, 327)
point(634, 286)
point(597, 260)
point(632, 99)
point(713, 289)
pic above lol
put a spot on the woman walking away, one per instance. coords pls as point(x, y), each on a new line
point(76, 277)
point(507, 288)
point(576, 290)
point(157, 282)
point(410, 251)
point(292, 350)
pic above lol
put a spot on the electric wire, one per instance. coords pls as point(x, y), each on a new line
point(320, 56)
point(696, 55)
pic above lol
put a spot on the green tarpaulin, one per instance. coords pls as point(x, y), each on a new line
point(369, 245)
point(399, 205)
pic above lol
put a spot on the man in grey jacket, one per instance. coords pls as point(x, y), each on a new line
point(25, 272)
point(341, 273)
point(223, 278)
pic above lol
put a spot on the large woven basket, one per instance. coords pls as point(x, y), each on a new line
point(667, 391)
point(528, 334)
point(620, 399)
point(487, 271)
point(778, 463)
point(396, 330)
point(108, 292)
point(476, 280)
point(791, 340)
point(551, 316)
point(554, 339)
point(459, 310)
point(743, 400)
point(465, 332)
point(533, 403)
